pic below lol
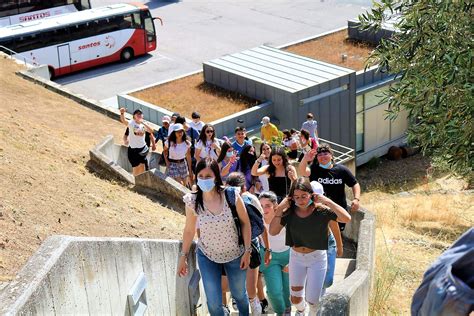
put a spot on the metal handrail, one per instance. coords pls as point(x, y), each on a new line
point(14, 54)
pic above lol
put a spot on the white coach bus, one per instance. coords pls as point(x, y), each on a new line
point(84, 39)
point(19, 11)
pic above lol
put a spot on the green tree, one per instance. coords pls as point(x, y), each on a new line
point(432, 53)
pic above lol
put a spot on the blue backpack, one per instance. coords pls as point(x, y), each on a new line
point(256, 218)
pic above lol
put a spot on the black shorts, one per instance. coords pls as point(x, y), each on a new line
point(137, 156)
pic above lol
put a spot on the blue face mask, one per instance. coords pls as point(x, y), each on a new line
point(309, 203)
point(326, 166)
point(229, 154)
point(206, 185)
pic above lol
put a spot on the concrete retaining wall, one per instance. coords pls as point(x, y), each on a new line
point(73, 275)
point(113, 159)
point(351, 296)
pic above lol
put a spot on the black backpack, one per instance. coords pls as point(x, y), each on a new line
point(256, 218)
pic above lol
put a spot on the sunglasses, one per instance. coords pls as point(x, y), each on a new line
point(209, 132)
point(323, 153)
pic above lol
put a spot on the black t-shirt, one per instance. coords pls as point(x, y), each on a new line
point(333, 181)
point(311, 231)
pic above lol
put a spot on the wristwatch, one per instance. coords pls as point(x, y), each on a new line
point(183, 254)
point(268, 250)
point(249, 249)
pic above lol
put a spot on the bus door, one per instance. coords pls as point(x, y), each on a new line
point(64, 58)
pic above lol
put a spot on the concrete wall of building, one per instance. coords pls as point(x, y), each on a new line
point(74, 275)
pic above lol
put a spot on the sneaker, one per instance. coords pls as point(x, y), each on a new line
point(226, 310)
point(288, 311)
point(264, 304)
point(255, 307)
point(234, 304)
point(298, 313)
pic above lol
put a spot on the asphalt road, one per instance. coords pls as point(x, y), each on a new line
point(195, 31)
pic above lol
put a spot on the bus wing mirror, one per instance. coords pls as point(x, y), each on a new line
point(161, 21)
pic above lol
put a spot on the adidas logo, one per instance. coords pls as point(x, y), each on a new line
point(329, 181)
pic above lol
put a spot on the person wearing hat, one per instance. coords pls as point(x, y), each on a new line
point(177, 153)
point(335, 247)
point(333, 177)
point(268, 130)
point(137, 146)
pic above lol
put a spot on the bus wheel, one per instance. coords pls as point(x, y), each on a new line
point(126, 55)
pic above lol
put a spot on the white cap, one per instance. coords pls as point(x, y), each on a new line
point(265, 120)
point(166, 119)
point(317, 187)
point(177, 127)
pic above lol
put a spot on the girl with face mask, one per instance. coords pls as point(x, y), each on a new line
point(218, 246)
point(306, 217)
point(227, 160)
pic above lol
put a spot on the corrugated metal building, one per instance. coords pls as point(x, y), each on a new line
point(296, 85)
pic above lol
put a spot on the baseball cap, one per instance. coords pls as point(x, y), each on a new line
point(177, 127)
point(137, 111)
point(265, 120)
point(166, 119)
point(317, 187)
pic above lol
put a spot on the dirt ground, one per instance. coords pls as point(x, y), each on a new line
point(330, 49)
point(420, 212)
point(193, 94)
point(46, 187)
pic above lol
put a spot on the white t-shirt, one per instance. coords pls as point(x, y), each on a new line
point(277, 243)
point(289, 142)
point(136, 134)
point(177, 151)
point(197, 126)
point(207, 150)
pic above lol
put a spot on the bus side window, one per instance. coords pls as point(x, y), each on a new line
point(28, 42)
point(137, 21)
point(55, 37)
point(127, 22)
point(8, 8)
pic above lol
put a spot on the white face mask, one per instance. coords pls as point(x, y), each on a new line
point(310, 120)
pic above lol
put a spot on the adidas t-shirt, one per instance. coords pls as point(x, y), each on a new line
point(333, 180)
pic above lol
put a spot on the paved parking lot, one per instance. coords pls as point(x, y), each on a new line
point(196, 30)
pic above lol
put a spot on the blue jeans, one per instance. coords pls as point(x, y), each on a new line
point(332, 252)
point(211, 273)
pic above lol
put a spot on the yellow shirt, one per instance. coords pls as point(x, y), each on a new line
point(268, 131)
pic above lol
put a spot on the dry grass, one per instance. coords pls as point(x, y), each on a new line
point(46, 186)
point(330, 49)
point(193, 94)
point(413, 228)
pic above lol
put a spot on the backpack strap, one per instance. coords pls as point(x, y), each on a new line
point(230, 198)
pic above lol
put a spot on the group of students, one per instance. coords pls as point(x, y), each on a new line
point(296, 248)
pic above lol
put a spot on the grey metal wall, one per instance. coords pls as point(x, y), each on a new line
point(335, 112)
point(370, 36)
point(372, 76)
